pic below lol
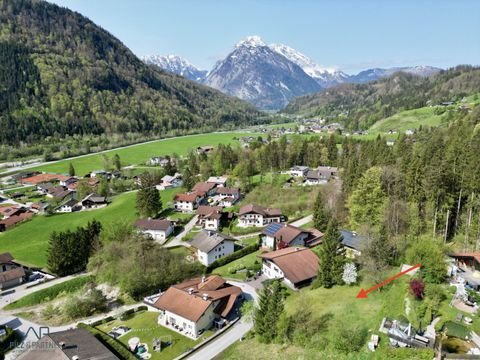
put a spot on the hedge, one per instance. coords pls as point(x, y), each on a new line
point(234, 256)
point(117, 348)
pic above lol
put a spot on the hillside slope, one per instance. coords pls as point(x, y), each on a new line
point(61, 74)
point(361, 105)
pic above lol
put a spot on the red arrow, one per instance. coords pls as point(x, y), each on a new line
point(363, 293)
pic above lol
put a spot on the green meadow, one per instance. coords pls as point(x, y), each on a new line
point(139, 154)
point(28, 241)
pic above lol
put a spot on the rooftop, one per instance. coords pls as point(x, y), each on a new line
point(153, 224)
point(297, 264)
point(207, 240)
point(256, 209)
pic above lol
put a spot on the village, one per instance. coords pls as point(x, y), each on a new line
point(243, 247)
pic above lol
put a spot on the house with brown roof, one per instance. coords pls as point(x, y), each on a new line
point(204, 189)
point(94, 201)
point(467, 266)
point(280, 235)
point(253, 215)
point(295, 265)
point(212, 245)
point(227, 197)
point(43, 178)
point(10, 273)
point(193, 306)
point(158, 229)
point(209, 217)
point(187, 202)
point(18, 216)
point(320, 175)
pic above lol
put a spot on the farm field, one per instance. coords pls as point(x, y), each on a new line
point(138, 154)
point(28, 242)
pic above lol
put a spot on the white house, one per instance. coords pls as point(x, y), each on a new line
point(296, 266)
point(195, 305)
point(212, 245)
point(227, 196)
point(187, 201)
point(169, 182)
point(209, 217)
point(159, 230)
point(157, 161)
point(68, 207)
point(253, 215)
point(278, 236)
point(299, 171)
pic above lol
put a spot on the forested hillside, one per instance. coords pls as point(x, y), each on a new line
point(60, 74)
point(359, 106)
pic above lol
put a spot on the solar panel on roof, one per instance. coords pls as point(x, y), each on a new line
point(273, 228)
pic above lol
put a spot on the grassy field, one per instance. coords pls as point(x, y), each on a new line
point(409, 119)
point(48, 294)
point(144, 325)
point(138, 154)
point(245, 262)
point(28, 242)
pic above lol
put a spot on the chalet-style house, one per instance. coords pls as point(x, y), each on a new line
point(253, 215)
point(218, 180)
point(68, 206)
point(299, 171)
point(280, 235)
point(158, 229)
point(10, 273)
point(68, 181)
point(70, 344)
point(43, 188)
point(320, 175)
point(19, 215)
point(227, 197)
point(296, 266)
point(209, 217)
point(187, 202)
point(193, 306)
point(212, 245)
point(204, 189)
point(169, 182)
point(353, 243)
point(61, 193)
point(94, 201)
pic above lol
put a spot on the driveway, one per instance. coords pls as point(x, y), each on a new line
point(236, 332)
point(178, 240)
point(302, 221)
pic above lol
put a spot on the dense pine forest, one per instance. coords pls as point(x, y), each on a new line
point(359, 106)
point(63, 75)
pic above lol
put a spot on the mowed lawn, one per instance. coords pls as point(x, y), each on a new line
point(139, 154)
point(144, 326)
point(28, 242)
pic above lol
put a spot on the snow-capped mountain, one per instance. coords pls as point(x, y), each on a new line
point(325, 77)
point(260, 75)
point(177, 65)
point(378, 73)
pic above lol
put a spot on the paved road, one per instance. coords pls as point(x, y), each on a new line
point(178, 240)
point(302, 221)
point(22, 290)
point(231, 336)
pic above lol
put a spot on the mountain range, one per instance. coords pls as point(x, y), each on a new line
point(270, 76)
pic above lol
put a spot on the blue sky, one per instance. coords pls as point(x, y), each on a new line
point(351, 35)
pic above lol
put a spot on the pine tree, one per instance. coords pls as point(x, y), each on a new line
point(188, 179)
point(71, 170)
point(149, 202)
point(331, 257)
point(268, 314)
point(117, 163)
point(321, 215)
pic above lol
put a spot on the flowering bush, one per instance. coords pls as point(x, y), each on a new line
point(349, 274)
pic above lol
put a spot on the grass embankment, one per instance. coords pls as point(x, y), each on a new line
point(139, 154)
point(144, 325)
point(237, 269)
point(409, 119)
point(28, 241)
point(51, 293)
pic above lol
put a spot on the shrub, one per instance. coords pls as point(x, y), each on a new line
point(236, 255)
point(114, 346)
point(142, 308)
point(417, 287)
